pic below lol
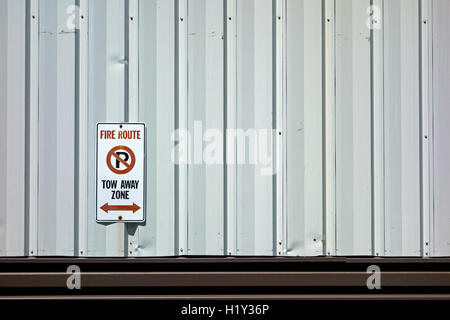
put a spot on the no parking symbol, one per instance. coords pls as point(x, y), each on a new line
point(120, 172)
point(116, 154)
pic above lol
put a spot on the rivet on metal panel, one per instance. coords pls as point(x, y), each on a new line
point(181, 19)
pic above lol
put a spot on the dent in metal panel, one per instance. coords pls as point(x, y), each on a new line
point(255, 206)
point(304, 202)
point(441, 136)
point(157, 110)
point(106, 104)
point(56, 129)
point(205, 124)
point(402, 128)
point(353, 129)
point(12, 128)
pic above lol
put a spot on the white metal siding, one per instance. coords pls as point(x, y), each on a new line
point(402, 128)
point(56, 130)
point(12, 127)
point(441, 97)
point(205, 41)
point(254, 110)
point(303, 127)
point(349, 107)
point(353, 129)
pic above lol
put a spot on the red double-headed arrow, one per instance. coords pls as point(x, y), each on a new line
point(106, 207)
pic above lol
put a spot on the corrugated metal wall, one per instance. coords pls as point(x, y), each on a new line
point(361, 116)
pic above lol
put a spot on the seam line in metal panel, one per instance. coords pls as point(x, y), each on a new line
point(80, 169)
point(127, 64)
point(372, 131)
point(422, 237)
point(32, 137)
point(131, 97)
point(126, 89)
point(377, 93)
point(181, 123)
point(330, 131)
point(278, 17)
point(231, 122)
point(225, 125)
point(424, 33)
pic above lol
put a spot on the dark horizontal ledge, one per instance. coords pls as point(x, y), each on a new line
point(249, 297)
point(222, 279)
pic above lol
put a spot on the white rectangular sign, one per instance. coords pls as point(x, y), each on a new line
point(120, 172)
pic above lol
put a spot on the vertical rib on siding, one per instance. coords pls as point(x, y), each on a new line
point(230, 123)
point(353, 129)
point(181, 107)
point(426, 101)
point(157, 110)
point(304, 207)
point(82, 125)
point(12, 127)
point(205, 116)
point(132, 95)
point(279, 97)
point(402, 128)
point(378, 25)
point(329, 92)
point(106, 104)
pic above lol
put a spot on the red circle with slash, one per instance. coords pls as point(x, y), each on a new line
point(114, 153)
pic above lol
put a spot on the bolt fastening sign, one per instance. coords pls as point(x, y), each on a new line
point(120, 172)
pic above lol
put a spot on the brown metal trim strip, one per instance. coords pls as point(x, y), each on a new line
point(224, 279)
